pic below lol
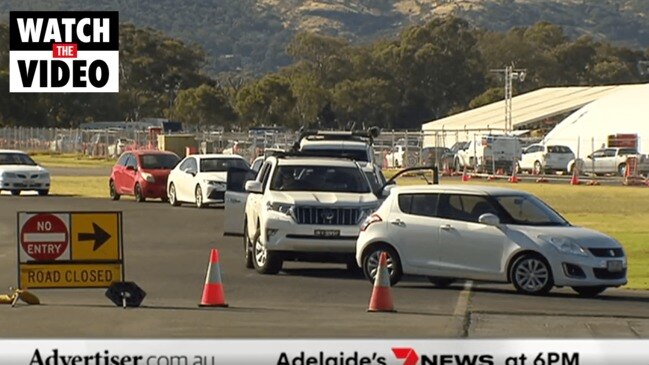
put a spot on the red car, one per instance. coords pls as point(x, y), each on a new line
point(142, 174)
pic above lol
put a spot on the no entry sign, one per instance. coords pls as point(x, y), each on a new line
point(44, 237)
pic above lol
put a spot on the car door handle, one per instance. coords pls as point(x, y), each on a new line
point(398, 222)
point(233, 200)
point(447, 227)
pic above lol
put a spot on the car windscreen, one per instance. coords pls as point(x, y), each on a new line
point(355, 154)
point(16, 159)
point(529, 210)
point(158, 161)
point(559, 149)
point(222, 164)
point(319, 178)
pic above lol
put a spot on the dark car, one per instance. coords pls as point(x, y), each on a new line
point(448, 158)
point(432, 156)
point(142, 174)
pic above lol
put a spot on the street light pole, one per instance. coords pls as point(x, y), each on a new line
point(511, 74)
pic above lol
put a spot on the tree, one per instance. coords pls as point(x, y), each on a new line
point(203, 105)
point(268, 101)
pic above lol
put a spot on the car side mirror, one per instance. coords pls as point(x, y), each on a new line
point(387, 189)
point(254, 186)
point(489, 219)
point(191, 172)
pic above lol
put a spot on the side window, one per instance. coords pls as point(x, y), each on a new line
point(419, 204)
point(130, 161)
point(193, 166)
point(609, 153)
point(598, 154)
point(256, 165)
point(185, 164)
point(465, 207)
point(122, 160)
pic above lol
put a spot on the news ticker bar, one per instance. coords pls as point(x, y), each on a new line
point(323, 352)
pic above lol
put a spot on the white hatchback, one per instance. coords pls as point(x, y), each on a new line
point(488, 234)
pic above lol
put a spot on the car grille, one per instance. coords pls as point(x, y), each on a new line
point(21, 176)
point(606, 252)
point(327, 216)
point(607, 275)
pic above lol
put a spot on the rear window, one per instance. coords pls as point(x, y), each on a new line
point(222, 164)
point(559, 149)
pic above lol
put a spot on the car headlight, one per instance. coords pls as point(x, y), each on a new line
point(148, 177)
point(45, 175)
point(280, 207)
point(9, 175)
point(213, 182)
point(565, 245)
point(366, 212)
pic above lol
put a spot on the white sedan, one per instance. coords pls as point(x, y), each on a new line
point(18, 172)
point(489, 234)
point(201, 179)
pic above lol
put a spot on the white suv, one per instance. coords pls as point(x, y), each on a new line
point(301, 208)
point(450, 232)
point(538, 158)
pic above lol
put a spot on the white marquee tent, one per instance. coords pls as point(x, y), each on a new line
point(626, 111)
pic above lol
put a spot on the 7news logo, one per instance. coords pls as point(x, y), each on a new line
point(411, 357)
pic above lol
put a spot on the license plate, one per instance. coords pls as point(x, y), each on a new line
point(614, 266)
point(326, 232)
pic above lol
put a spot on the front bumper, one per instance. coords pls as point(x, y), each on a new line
point(24, 184)
point(570, 270)
point(282, 233)
point(154, 190)
point(213, 194)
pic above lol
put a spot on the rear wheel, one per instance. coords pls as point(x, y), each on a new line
point(139, 197)
point(371, 263)
point(588, 291)
point(538, 169)
point(531, 275)
point(247, 247)
point(113, 192)
point(43, 192)
point(173, 199)
point(265, 261)
point(441, 282)
point(621, 169)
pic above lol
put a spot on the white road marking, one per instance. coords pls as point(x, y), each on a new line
point(462, 305)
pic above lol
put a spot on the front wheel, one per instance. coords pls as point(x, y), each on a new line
point(531, 275)
point(371, 263)
point(113, 192)
point(621, 169)
point(265, 261)
point(173, 199)
point(588, 291)
point(139, 196)
point(198, 193)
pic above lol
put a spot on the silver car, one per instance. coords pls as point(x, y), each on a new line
point(490, 234)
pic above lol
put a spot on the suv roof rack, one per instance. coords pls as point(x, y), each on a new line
point(353, 135)
point(310, 154)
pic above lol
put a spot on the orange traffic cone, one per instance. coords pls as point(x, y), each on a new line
point(213, 295)
point(574, 180)
point(381, 300)
point(513, 179)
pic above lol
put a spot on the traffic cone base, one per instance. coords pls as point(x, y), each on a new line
point(542, 180)
point(513, 179)
point(213, 295)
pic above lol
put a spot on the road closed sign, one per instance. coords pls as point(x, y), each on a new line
point(69, 250)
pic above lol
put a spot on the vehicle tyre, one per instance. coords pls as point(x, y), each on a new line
point(198, 196)
point(15, 192)
point(247, 247)
point(538, 169)
point(588, 291)
point(371, 258)
point(266, 262)
point(173, 199)
point(139, 197)
point(621, 169)
point(531, 275)
point(441, 282)
point(43, 192)
point(113, 192)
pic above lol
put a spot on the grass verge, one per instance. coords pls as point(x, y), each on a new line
point(71, 161)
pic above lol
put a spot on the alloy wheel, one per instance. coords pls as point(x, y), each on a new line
point(532, 275)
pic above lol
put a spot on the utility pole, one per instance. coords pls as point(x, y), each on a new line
point(511, 74)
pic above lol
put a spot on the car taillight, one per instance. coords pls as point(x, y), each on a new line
point(374, 218)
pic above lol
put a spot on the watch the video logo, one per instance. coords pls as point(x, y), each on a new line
point(63, 51)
